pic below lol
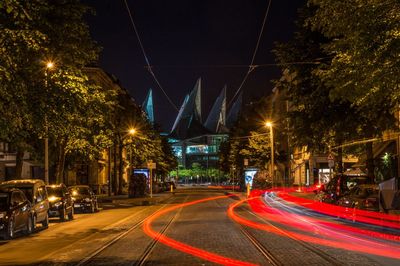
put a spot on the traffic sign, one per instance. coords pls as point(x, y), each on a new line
point(330, 157)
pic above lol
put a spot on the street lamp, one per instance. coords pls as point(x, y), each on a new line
point(271, 134)
point(131, 132)
point(49, 67)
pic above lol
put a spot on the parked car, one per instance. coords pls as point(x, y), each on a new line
point(35, 192)
point(15, 213)
point(61, 203)
point(365, 197)
point(84, 198)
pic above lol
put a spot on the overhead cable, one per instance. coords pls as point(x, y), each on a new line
point(251, 67)
point(148, 66)
point(238, 66)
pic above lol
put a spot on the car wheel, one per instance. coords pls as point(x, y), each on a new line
point(10, 229)
point(71, 214)
point(28, 229)
point(62, 214)
point(45, 223)
point(34, 221)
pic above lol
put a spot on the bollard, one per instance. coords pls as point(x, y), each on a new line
point(172, 188)
point(248, 189)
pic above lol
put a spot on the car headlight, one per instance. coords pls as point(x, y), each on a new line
point(58, 204)
point(87, 199)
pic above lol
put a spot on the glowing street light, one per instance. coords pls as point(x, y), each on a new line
point(49, 65)
point(132, 131)
point(269, 124)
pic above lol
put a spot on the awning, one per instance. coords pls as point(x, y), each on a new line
point(355, 172)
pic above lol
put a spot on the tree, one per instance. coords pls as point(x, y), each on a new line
point(167, 161)
point(317, 120)
point(62, 100)
point(364, 70)
point(258, 149)
point(19, 43)
point(364, 46)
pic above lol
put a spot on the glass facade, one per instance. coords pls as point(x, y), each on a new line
point(203, 149)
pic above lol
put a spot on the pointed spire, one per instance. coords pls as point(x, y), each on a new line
point(148, 106)
point(188, 121)
point(216, 118)
point(197, 93)
point(234, 112)
point(179, 117)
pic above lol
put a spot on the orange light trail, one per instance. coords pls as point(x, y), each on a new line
point(310, 223)
point(356, 244)
point(380, 219)
point(200, 253)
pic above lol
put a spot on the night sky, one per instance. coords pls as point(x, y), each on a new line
point(187, 39)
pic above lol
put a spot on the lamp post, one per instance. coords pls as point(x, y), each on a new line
point(49, 66)
point(130, 133)
point(271, 134)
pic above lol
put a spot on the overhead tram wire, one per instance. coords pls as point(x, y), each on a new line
point(316, 62)
point(148, 65)
point(251, 66)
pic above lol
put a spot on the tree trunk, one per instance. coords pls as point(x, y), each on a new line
point(62, 173)
point(340, 160)
point(115, 174)
point(370, 161)
point(121, 169)
point(19, 163)
point(59, 167)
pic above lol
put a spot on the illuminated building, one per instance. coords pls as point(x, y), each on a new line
point(196, 142)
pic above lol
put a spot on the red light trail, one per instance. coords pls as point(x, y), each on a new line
point(298, 224)
point(341, 240)
point(209, 256)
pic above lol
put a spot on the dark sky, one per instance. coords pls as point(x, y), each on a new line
point(183, 40)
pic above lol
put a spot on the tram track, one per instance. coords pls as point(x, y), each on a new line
point(268, 254)
point(264, 251)
point(149, 249)
point(91, 258)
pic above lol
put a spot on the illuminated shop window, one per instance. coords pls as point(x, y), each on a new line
point(197, 149)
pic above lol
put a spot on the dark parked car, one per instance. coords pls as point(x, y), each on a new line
point(84, 198)
point(35, 192)
point(365, 197)
point(15, 213)
point(61, 203)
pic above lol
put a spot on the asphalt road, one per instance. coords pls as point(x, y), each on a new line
point(199, 227)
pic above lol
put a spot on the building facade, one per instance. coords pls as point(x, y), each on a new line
point(196, 142)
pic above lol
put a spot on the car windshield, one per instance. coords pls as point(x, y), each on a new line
point(80, 190)
point(54, 191)
point(28, 191)
point(3, 201)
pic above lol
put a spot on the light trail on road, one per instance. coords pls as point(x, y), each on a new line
point(203, 254)
point(307, 225)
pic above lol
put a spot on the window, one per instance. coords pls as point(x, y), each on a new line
point(41, 194)
point(16, 198)
point(3, 201)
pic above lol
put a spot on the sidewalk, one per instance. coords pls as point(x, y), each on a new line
point(124, 199)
